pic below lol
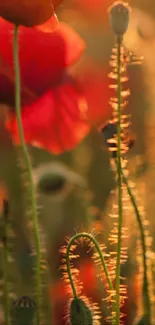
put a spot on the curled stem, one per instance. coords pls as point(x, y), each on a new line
point(119, 182)
point(29, 170)
point(92, 239)
point(146, 300)
point(5, 263)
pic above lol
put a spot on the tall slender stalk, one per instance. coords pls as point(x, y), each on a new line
point(5, 263)
point(29, 170)
point(146, 299)
point(119, 181)
point(92, 239)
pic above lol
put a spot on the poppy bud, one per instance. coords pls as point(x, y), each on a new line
point(119, 14)
point(23, 311)
point(80, 313)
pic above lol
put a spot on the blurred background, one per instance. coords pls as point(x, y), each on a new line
point(74, 188)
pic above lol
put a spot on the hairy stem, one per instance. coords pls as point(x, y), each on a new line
point(92, 239)
point(5, 263)
point(119, 182)
point(29, 170)
point(146, 301)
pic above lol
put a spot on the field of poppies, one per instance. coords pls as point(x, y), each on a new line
point(77, 162)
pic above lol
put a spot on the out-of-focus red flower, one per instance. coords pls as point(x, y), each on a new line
point(51, 113)
point(94, 9)
point(88, 277)
point(53, 105)
point(28, 12)
point(43, 57)
point(54, 121)
point(58, 293)
point(58, 297)
point(95, 84)
point(59, 119)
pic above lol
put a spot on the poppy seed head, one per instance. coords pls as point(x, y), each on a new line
point(23, 311)
point(52, 183)
point(119, 14)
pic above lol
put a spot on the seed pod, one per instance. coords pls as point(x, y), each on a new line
point(80, 314)
point(51, 184)
point(119, 14)
point(23, 311)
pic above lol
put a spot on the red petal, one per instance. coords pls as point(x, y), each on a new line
point(43, 56)
point(55, 122)
point(98, 96)
point(50, 25)
point(87, 276)
point(58, 292)
point(7, 82)
point(97, 93)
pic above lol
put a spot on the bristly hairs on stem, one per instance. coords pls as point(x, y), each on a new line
point(29, 233)
point(70, 273)
point(145, 242)
point(29, 170)
point(120, 140)
point(119, 180)
point(5, 252)
point(7, 283)
point(119, 18)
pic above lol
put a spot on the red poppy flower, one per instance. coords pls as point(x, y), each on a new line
point(59, 120)
point(53, 106)
point(43, 58)
point(54, 121)
point(47, 111)
point(28, 12)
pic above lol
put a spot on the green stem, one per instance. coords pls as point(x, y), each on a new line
point(5, 263)
point(29, 169)
point(92, 239)
point(147, 308)
point(119, 181)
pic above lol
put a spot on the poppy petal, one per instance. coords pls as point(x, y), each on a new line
point(43, 56)
point(98, 95)
point(26, 12)
point(54, 122)
point(49, 26)
point(94, 82)
point(7, 82)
